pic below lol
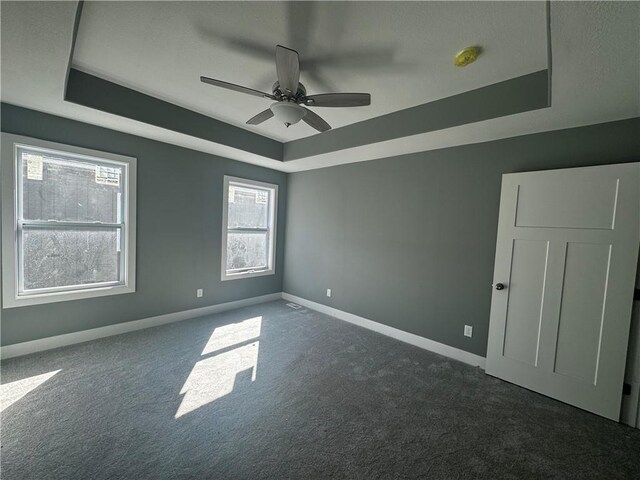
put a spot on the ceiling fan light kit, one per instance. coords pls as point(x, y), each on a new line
point(288, 113)
point(290, 95)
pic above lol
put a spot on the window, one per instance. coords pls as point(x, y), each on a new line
point(68, 222)
point(248, 228)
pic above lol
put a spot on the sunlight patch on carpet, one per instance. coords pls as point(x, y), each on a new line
point(233, 334)
point(13, 391)
point(217, 375)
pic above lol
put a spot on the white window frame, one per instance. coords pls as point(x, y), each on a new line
point(272, 229)
point(11, 296)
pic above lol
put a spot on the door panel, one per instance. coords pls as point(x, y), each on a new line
point(581, 311)
point(591, 204)
point(524, 309)
point(567, 252)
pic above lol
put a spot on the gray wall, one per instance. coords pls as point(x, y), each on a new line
point(179, 196)
point(409, 241)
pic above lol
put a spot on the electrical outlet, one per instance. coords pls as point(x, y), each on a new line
point(328, 292)
point(199, 292)
point(468, 331)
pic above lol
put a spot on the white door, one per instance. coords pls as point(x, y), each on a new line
point(566, 258)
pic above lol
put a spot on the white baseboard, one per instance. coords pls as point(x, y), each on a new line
point(48, 343)
point(18, 349)
point(418, 341)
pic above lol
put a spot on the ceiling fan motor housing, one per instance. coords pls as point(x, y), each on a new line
point(278, 93)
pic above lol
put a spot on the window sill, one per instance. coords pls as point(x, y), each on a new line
point(237, 276)
point(53, 297)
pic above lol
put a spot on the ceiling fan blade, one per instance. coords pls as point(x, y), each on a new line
point(338, 100)
point(288, 69)
point(236, 88)
point(314, 120)
point(317, 78)
point(301, 18)
point(241, 45)
point(261, 117)
point(372, 58)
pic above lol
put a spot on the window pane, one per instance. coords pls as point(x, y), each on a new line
point(248, 207)
point(56, 257)
point(247, 250)
point(67, 189)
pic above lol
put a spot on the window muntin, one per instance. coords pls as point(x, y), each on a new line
point(72, 218)
point(248, 229)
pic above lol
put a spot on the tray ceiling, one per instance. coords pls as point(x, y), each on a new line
point(595, 49)
point(400, 52)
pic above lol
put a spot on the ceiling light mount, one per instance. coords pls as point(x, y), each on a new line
point(467, 56)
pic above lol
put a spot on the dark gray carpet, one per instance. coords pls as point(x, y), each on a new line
point(327, 400)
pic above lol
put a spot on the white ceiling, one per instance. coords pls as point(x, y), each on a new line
point(596, 70)
point(402, 53)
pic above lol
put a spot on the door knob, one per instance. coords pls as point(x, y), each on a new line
point(499, 286)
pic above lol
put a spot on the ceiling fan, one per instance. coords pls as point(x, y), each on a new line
point(291, 97)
